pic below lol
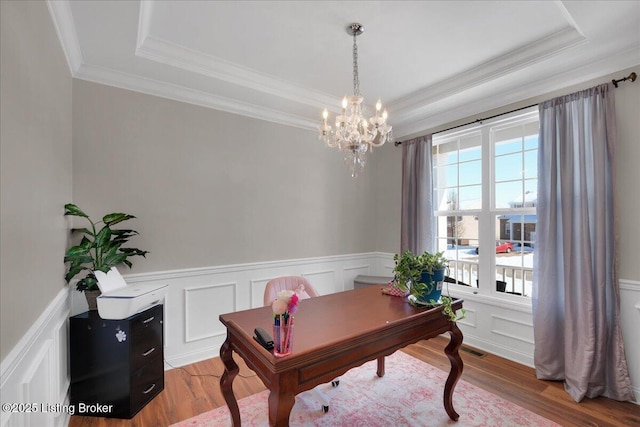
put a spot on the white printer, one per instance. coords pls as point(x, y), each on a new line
point(119, 301)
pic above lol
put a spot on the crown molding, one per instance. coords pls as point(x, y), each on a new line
point(147, 86)
point(584, 72)
point(413, 106)
point(144, 21)
point(171, 54)
point(60, 11)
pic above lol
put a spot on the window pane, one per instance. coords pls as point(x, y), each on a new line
point(448, 153)
point(447, 199)
point(470, 154)
point(509, 194)
point(531, 142)
point(466, 231)
point(471, 172)
point(509, 146)
point(470, 197)
point(470, 147)
point(447, 176)
point(458, 237)
point(514, 253)
point(508, 167)
point(531, 192)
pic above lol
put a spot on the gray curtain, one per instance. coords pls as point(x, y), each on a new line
point(576, 299)
point(417, 215)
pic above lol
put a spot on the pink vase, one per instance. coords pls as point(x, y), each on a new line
point(282, 340)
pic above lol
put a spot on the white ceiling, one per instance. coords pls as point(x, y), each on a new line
point(431, 62)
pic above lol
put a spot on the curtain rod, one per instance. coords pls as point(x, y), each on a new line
point(633, 76)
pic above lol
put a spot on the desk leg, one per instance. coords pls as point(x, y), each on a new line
point(226, 381)
point(451, 350)
point(380, 371)
point(280, 405)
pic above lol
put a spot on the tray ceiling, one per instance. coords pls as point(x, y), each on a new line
point(431, 62)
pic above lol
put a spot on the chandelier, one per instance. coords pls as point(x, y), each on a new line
point(354, 135)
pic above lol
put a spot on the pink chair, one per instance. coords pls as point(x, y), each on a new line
point(288, 283)
point(293, 283)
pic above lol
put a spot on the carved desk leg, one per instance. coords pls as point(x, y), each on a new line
point(226, 381)
point(380, 371)
point(451, 350)
point(281, 400)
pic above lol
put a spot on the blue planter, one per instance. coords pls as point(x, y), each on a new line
point(434, 283)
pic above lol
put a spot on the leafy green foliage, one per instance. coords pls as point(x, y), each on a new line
point(408, 275)
point(409, 268)
point(447, 310)
point(99, 250)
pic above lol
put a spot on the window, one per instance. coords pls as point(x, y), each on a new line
point(485, 191)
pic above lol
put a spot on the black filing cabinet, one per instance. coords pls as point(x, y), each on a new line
point(117, 366)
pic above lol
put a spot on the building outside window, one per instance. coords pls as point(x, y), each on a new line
point(485, 192)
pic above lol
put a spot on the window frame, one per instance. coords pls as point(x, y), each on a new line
point(488, 214)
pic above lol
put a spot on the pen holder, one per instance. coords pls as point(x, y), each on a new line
point(282, 339)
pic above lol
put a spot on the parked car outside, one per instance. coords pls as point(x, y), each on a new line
point(501, 247)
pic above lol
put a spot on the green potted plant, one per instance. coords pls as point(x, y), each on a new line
point(100, 249)
point(422, 276)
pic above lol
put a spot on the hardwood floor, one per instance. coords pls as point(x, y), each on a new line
point(194, 389)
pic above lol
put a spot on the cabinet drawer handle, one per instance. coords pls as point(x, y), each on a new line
point(148, 352)
point(149, 319)
point(151, 387)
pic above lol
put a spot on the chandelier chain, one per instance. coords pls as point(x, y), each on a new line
point(356, 79)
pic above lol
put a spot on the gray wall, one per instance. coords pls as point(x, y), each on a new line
point(386, 169)
point(35, 166)
point(211, 188)
point(628, 177)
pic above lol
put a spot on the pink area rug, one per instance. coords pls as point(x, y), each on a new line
point(410, 394)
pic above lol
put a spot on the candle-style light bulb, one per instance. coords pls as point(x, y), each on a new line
point(384, 115)
point(378, 105)
point(344, 103)
point(325, 114)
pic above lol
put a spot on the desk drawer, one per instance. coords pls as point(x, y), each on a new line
point(147, 342)
point(146, 383)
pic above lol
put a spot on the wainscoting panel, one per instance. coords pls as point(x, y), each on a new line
point(470, 319)
point(257, 291)
point(199, 302)
point(350, 273)
point(36, 383)
point(513, 329)
point(630, 318)
point(324, 281)
point(35, 371)
point(495, 327)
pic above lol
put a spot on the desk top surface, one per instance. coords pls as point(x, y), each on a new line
point(339, 318)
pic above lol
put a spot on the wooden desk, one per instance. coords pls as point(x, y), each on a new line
point(333, 333)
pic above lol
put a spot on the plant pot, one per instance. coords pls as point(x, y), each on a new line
point(91, 297)
point(434, 283)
